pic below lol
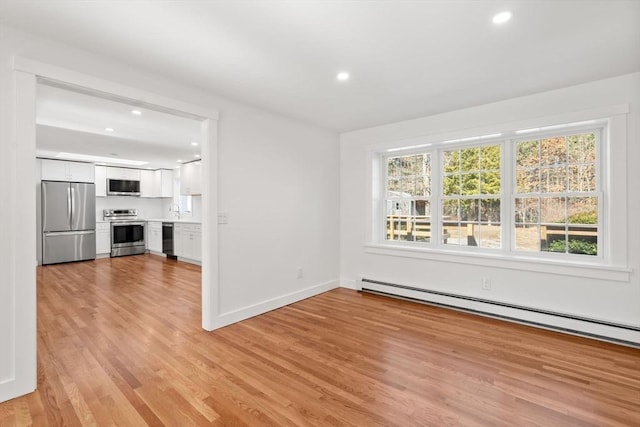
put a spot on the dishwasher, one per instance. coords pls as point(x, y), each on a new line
point(167, 240)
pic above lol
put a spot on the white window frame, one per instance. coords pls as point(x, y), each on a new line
point(611, 261)
point(599, 129)
point(501, 196)
point(384, 198)
point(436, 151)
point(184, 203)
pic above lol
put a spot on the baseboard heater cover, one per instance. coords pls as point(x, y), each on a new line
point(427, 292)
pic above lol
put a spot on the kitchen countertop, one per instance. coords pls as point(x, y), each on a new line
point(181, 221)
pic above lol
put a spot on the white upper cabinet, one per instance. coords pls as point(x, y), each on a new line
point(163, 183)
point(124, 173)
point(191, 179)
point(59, 170)
point(158, 183)
point(101, 181)
point(146, 183)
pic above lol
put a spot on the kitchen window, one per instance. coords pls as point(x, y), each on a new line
point(532, 192)
point(182, 204)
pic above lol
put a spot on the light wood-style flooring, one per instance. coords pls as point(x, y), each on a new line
point(120, 343)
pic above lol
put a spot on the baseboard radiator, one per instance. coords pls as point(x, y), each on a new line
point(483, 307)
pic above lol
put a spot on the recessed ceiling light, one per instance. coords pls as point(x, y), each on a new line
point(195, 144)
point(502, 17)
point(136, 112)
point(179, 161)
point(197, 156)
point(342, 76)
point(109, 129)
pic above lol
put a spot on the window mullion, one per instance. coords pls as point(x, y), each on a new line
point(507, 170)
point(436, 198)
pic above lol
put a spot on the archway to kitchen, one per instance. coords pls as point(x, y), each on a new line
point(28, 75)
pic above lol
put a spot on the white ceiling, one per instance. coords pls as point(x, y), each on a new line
point(407, 58)
point(73, 122)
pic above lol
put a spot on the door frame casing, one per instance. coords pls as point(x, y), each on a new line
point(26, 75)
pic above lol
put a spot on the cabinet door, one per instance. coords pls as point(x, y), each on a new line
point(81, 172)
point(190, 179)
point(103, 238)
point(157, 183)
point(185, 179)
point(197, 244)
point(188, 245)
point(178, 240)
point(146, 183)
point(155, 237)
point(54, 170)
point(157, 240)
point(166, 183)
point(123, 173)
point(196, 178)
point(101, 181)
point(192, 242)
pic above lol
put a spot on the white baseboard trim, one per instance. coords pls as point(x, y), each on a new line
point(190, 261)
point(156, 253)
point(10, 389)
point(262, 307)
point(350, 284)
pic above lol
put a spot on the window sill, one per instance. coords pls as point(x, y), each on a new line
point(512, 262)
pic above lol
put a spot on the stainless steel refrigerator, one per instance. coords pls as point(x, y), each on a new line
point(68, 222)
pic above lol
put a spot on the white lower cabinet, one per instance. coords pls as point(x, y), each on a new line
point(154, 236)
point(187, 241)
point(194, 244)
point(103, 238)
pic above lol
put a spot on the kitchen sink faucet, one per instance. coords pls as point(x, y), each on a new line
point(176, 210)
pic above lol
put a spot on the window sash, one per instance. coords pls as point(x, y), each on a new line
point(508, 190)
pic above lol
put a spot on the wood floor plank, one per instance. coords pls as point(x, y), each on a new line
point(120, 343)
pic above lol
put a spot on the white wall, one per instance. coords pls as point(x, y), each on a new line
point(148, 208)
point(278, 180)
point(609, 300)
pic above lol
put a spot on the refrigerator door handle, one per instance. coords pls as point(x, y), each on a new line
point(72, 203)
point(69, 205)
point(68, 233)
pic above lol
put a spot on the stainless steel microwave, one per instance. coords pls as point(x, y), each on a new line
point(123, 187)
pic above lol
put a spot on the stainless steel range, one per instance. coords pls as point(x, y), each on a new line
point(127, 231)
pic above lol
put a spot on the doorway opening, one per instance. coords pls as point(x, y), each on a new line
point(28, 74)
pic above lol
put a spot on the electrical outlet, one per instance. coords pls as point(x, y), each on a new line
point(223, 218)
point(486, 284)
point(300, 273)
